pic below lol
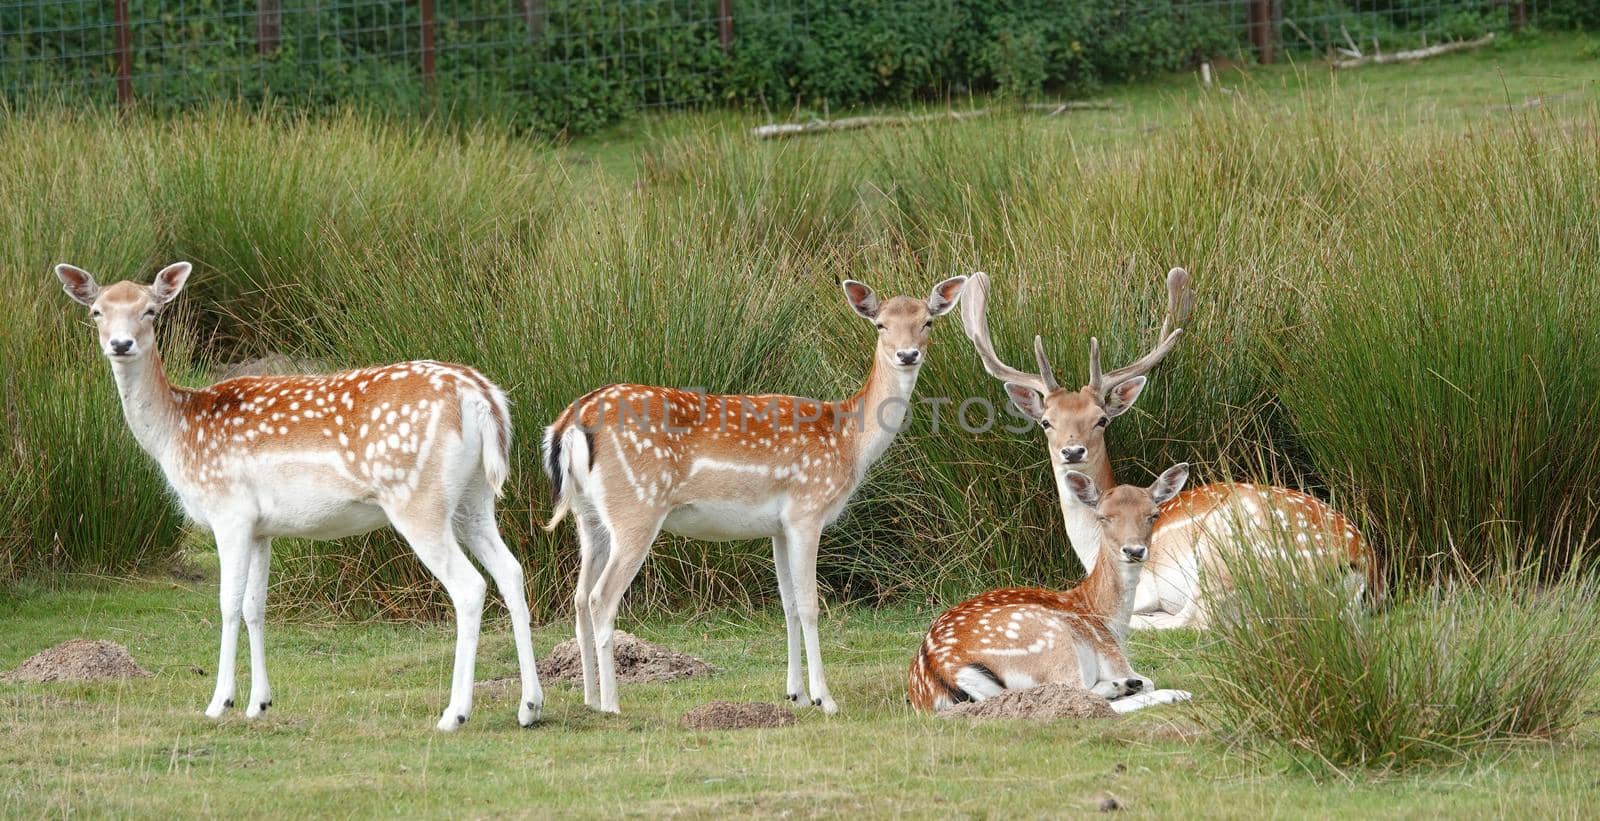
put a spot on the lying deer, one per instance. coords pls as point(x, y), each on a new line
point(1020, 637)
point(632, 460)
point(422, 446)
point(1197, 530)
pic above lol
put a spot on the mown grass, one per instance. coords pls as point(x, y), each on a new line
point(351, 732)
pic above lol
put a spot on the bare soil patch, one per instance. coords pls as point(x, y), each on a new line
point(78, 660)
point(1042, 703)
point(737, 715)
point(637, 661)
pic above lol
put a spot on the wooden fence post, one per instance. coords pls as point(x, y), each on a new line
point(1261, 33)
point(1519, 14)
point(725, 24)
point(533, 14)
point(427, 44)
point(124, 58)
point(269, 25)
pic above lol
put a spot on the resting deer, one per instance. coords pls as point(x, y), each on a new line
point(1021, 637)
point(422, 446)
point(632, 460)
point(1198, 529)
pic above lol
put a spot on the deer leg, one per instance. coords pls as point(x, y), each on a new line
point(802, 539)
point(791, 617)
point(255, 624)
point(483, 539)
point(630, 544)
point(594, 549)
point(435, 545)
point(233, 556)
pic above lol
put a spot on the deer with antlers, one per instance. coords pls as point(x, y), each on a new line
point(422, 446)
point(1018, 637)
point(632, 460)
point(1198, 529)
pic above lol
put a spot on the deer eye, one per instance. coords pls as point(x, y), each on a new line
point(1154, 517)
point(880, 325)
point(150, 313)
point(1103, 422)
point(95, 314)
point(927, 325)
point(1044, 423)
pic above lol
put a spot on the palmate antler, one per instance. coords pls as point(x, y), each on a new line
point(974, 305)
point(1180, 300)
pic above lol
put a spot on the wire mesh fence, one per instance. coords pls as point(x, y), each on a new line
point(602, 55)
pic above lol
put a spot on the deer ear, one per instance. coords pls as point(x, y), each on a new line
point(78, 284)
point(1027, 400)
point(1083, 488)
point(861, 298)
point(169, 281)
point(1122, 396)
point(1169, 483)
point(945, 295)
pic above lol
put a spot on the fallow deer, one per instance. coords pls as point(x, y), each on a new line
point(632, 460)
point(1021, 637)
point(1198, 529)
point(422, 446)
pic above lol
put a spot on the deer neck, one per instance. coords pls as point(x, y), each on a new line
point(883, 403)
point(1107, 592)
point(149, 403)
point(1083, 523)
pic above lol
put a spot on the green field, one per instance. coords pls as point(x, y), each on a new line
point(350, 733)
point(1397, 310)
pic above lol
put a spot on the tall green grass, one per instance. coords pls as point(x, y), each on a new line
point(1401, 317)
point(1446, 671)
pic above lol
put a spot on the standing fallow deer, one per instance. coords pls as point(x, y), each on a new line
point(632, 460)
point(1021, 637)
point(422, 446)
point(1200, 528)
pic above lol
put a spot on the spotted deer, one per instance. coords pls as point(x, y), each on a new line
point(632, 460)
point(422, 446)
point(1201, 527)
point(1021, 637)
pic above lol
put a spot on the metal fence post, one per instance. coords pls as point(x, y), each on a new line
point(427, 45)
point(725, 24)
point(124, 58)
point(269, 23)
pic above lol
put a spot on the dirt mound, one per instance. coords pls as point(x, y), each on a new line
point(78, 660)
point(1040, 703)
point(637, 661)
point(737, 715)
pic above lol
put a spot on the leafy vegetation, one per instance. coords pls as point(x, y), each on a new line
point(574, 66)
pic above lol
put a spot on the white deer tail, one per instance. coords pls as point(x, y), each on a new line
point(491, 413)
point(566, 456)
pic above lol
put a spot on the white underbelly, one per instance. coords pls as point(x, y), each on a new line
point(318, 519)
point(726, 521)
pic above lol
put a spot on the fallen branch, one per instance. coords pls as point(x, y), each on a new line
point(1415, 54)
point(778, 130)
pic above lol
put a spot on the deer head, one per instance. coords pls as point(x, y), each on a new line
point(124, 313)
point(1074, 421)
point(903, 322)
point(1127, 513)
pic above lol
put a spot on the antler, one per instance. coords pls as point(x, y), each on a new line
point(974, 302)
point(1179, 302)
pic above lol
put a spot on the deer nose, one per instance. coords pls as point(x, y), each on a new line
point(910, 357)
point(1074, 454)
point(1135, 552)
point(121, 347)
